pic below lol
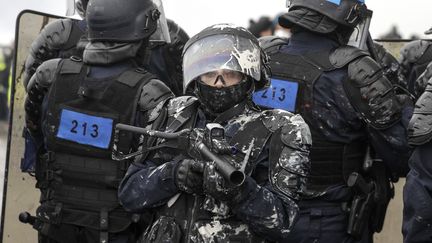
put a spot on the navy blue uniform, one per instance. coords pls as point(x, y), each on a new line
point(417, 215)
point(79, 212)
point(332, 118)
point(263, 215)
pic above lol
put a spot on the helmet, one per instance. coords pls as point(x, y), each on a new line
point(225, 46)
point(124, 20)
point(428, 32)
point(324, 16)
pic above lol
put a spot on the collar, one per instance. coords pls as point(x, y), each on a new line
point(312, 41)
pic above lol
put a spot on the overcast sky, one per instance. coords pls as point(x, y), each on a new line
point(194, 15)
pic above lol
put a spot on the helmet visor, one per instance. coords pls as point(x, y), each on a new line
point(360, 34)
point(221, 52)
point(161, 35)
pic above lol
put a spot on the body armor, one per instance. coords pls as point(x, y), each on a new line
point(77, 177)
point(62, 38)
point(332, 162)
point(192, 218)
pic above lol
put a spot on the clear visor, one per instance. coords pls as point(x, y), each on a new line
point(221, 52)
point(361, 32)
point(161, 35)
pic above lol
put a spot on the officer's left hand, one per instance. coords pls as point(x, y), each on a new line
point(218, 188)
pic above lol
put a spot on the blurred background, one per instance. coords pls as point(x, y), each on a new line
point(404, 19)
point(392, 19)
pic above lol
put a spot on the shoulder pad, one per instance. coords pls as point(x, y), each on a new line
point(414, 51)
point(343, 55)
point(46, 45)
point(422, 81)
point(36, 90)
point(420, 126)
point(272, 43)
point(45, 74)
point(296, 133)
point(294, 129)
point(275, 118)
point(153, 93)
point(289, 155)
point(372, 94)
point(178, 104)
point(55, 34)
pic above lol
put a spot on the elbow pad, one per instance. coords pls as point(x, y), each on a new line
point(372, 94)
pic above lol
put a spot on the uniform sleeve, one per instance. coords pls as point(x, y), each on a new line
point(391, 144)
point(37, 88)
point(147, 186)
point(268, 213)
point(381, 115)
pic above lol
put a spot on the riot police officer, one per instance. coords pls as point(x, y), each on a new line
point(67, 37)
point(415, 57)
point(417, 214)
point(71, 109)
point(223, 64)
point(348, 103)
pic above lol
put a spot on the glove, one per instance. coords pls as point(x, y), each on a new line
point(218, 188)
point(188, 176)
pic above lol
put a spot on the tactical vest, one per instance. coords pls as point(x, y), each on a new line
point(295, 76)
point(77, 177)
point(191, 217)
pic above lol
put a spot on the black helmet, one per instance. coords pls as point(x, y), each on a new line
point(324, 16)
point(124, 20)
point(225, 46)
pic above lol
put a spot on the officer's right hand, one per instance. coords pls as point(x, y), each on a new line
point(188, 176)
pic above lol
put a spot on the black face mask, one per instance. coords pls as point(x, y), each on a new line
point(218, 100)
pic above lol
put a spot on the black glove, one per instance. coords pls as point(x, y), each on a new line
point(188, 176)
point(218, 188)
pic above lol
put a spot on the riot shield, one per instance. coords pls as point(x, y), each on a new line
point(19, 192)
